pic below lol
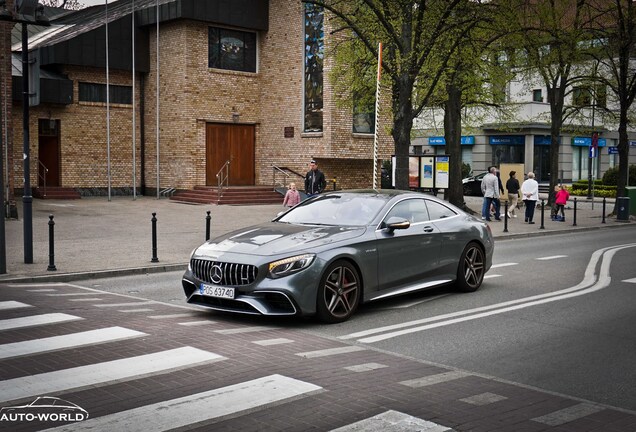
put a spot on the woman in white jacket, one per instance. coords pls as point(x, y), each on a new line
point(530, 196)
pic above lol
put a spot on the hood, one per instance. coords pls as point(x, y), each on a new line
point(273, 238)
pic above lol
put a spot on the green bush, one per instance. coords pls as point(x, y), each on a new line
point(466, 170)
point(611, 176)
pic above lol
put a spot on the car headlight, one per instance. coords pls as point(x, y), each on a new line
point(288, 266)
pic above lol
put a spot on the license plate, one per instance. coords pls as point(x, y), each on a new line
point(216, 291)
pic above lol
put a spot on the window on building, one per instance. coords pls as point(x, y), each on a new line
point(601, 96)
point(537, 95)
point(231, 49)
point(92, 92)
point(581, 96)
point(313, 67)
point(363, 114)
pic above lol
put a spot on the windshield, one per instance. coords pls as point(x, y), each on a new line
point(336, 209)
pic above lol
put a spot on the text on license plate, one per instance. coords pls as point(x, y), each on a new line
point(216, 291)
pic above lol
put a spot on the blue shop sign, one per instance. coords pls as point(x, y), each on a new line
point(507, 140)
point(543, 139)
point(440, 140)
point(587, 141)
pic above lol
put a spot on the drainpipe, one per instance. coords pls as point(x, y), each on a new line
point(142, 131)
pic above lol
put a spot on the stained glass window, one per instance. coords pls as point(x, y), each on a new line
point(231, 49)
point(314, 56)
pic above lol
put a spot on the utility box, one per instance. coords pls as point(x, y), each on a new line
point(630, 191)
point(622, 208)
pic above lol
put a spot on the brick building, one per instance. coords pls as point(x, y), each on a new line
point(239, 81)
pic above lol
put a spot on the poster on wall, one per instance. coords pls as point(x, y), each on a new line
point(414, 171)
point(427, 165)
point(441, 172)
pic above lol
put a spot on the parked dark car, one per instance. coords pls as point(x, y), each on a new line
point(472, 184)
point(336, 250)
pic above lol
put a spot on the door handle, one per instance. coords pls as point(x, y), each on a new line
point(428, 229)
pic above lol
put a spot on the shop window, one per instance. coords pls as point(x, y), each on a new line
point(92, 92)
point(231, 49)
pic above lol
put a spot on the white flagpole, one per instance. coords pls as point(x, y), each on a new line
point(134, 124)
point(157, 96)
point(107, 108)
point(377, 118)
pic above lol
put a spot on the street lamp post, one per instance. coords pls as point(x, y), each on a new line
point(25, 12)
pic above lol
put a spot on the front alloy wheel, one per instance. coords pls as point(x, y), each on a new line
point(338, 293)
point(471, 269)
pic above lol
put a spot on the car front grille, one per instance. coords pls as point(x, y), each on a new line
point(222, 273)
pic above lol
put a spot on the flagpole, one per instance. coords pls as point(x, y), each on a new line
point(377, 117)
point(134, 120)
point(107, 108)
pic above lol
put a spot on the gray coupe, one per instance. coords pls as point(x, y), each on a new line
point(334, 251)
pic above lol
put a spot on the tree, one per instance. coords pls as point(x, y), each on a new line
point(63, 4)
point(614, 30)
point(419, 38)
point(550, 34)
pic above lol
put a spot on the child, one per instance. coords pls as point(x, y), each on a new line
point(292, 197)
point(554, 211)
point(560, 200)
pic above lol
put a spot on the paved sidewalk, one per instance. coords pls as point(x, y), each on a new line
point(97, 237)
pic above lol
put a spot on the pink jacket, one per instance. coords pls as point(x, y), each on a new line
point(562, 197)
point(292, 197)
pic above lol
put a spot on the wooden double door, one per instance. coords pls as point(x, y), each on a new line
point(234, 143)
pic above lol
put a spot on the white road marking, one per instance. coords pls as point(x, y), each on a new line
point(196, 323)
point(484, 399)
point(201, 407)
point(393, 421)
point(492, 276)
point(630, 280)
point(244, 330)
point(136, 310)
point(435, 379)
point(10, 304)
point(137, 303)
point(42, 290)
point(36, 320)
point(330, 351)
point(55, 343)
point(70, 294)
point(86, 299)
point(587, 285)
point(569, 414)
point(103, 373)
point(366, 367)
point(503, 265)
point(551, 257)
point(269, 342)
point(168, 316)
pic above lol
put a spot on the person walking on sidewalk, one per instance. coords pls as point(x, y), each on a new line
point(315, 181)
point(560, 201)
point(490, 189)
point(512, 185)
point(530, 194)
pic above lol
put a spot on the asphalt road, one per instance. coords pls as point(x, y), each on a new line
point(536, 320)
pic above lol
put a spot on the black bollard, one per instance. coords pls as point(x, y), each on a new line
point(208, 218)
point(574, 215)
point(603, 221)
point(506, 217)
point(154, 238)
point(51, 266)
point(542, 214)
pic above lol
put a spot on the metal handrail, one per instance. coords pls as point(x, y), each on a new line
point(274, 170)
point(43, 177)
point(222, 179)
point(284, 171)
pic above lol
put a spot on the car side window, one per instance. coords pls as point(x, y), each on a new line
point(438, 211)
point(413, 210)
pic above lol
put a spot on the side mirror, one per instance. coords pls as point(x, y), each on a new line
point(396, 223)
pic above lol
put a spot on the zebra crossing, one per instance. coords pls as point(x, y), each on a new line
point(248, 377)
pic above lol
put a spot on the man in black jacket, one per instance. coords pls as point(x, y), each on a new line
point(315, 181)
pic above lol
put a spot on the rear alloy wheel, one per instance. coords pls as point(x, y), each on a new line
point(338, 293)
point(471, 269)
